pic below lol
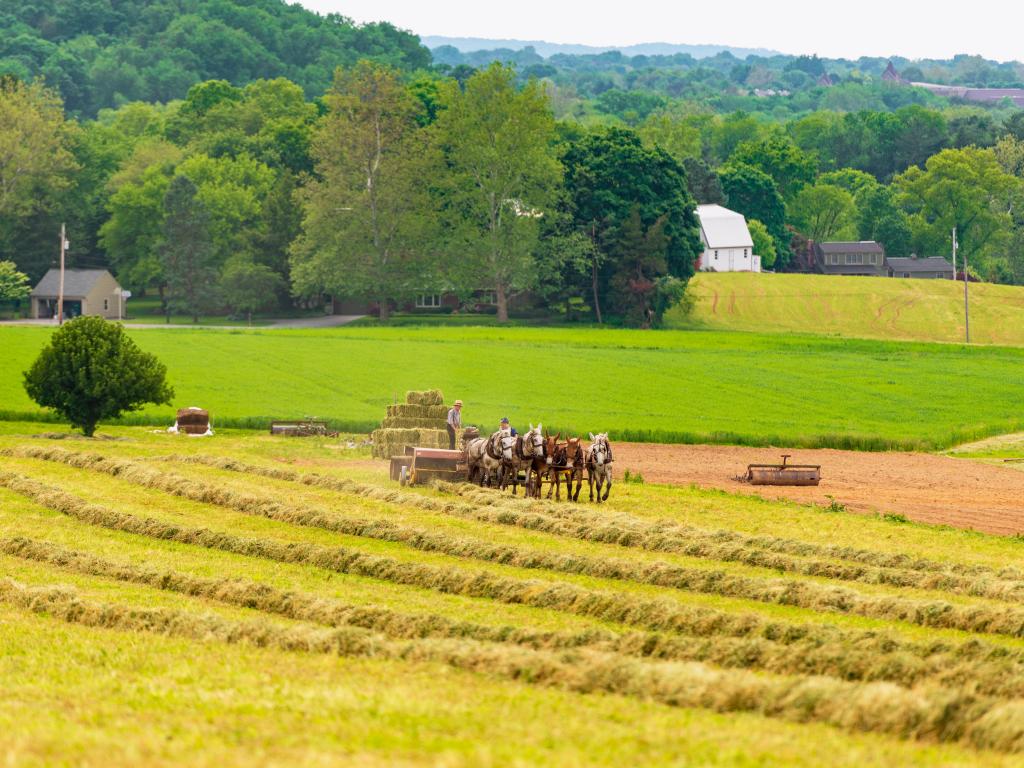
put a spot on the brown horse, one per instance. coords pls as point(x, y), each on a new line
point(527, 457)
point(567, 463)
point(576, 463)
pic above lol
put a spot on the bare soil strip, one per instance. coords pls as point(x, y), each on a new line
point(924, 487)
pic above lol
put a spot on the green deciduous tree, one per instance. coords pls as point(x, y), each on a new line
point(610, 176)
point(36, 163)
point(879, 218)
point(91, 371)
point(503, 177)
point(823, 212)
point(764, 243)
point(788, 166)
point(187, 252)
point(248, 287)
point(753, 193)
point(368, 216)
point(13, 284)
point(962, 188)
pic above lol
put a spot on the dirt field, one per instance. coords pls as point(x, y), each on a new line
point(924, 487)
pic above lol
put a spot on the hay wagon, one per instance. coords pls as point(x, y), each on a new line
point(421, 465)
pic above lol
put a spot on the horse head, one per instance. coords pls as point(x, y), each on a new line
point(508, 444)
point(600, 451)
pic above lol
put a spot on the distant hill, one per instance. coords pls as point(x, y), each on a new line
point(101, 53)
point(862, 307)
point(545, 49)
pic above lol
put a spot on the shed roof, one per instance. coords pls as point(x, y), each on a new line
point(723, 228)
point(77, 282)
point(919, 264)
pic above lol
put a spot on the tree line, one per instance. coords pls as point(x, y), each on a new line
point(394, 184)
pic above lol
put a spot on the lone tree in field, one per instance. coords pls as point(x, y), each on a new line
point(92, 371)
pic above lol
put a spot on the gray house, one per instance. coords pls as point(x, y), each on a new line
point(86, 292)
point(927, 268)
point(865, 258)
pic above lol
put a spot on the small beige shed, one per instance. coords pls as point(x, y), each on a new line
point(86, 292)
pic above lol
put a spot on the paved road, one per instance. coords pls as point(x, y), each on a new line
point(320, 321)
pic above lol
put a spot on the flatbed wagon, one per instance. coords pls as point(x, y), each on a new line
point(421, 465)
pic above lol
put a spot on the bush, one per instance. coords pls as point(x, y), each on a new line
point(91, 371)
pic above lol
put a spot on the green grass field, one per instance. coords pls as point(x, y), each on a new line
point(873, 308)
point(663, 386)
point(246, 599)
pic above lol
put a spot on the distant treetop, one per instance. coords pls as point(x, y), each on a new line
point(104, 53)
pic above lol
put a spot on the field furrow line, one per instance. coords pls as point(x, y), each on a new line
point(926, 714)
point(987, 670)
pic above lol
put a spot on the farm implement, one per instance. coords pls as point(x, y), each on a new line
point(422, 465)
point(783, 474)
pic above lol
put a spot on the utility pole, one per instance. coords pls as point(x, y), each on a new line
point(954, 253)
point(967, 313)
point(60, 293)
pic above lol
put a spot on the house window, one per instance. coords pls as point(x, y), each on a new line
point(428, 300)
point(854, 258)
point(834, 259)
point(873, 258)
point(716, 255)
point(744, 253)
point(488, 297)
point(906, 274)
point(106, 304)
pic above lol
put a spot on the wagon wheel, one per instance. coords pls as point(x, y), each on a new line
point(403, 477)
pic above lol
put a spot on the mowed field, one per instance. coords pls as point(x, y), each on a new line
point(870, 307)
point(246, 599)
point(665, 386)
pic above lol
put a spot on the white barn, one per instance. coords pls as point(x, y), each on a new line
point(726, 241)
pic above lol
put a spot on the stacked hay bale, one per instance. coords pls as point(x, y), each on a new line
point(419, 421)
point(193, 421)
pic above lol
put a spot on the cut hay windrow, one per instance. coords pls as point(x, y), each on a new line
point(629, 532)
point(926, 714)
point(652, 615)
point(985, 669)
point(801, 594)
point(634, 528)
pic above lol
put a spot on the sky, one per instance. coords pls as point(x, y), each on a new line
point(910, 28)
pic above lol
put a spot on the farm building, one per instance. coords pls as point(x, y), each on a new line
point(927, 268)
point(864, 258)
point(86, 292)
point(725, 238)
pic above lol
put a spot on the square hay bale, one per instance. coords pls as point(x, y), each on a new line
point(403, 422)
point(405, 410)
point(196, 416)
point(426, 397)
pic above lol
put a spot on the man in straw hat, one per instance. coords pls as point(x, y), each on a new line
point(454, 422)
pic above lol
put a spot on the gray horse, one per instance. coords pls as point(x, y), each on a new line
point(529, 450)
point(484, 455)
point(599, 465)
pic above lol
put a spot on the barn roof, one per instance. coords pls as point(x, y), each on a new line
point(723, 228)
point(77, 282)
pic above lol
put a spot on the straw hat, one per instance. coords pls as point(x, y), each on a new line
point(457, 402)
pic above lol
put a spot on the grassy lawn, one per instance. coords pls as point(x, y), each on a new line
point(683, 386)
point(124, 646)
point(874, 308)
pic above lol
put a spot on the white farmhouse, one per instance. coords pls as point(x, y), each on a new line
point(726, 241)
